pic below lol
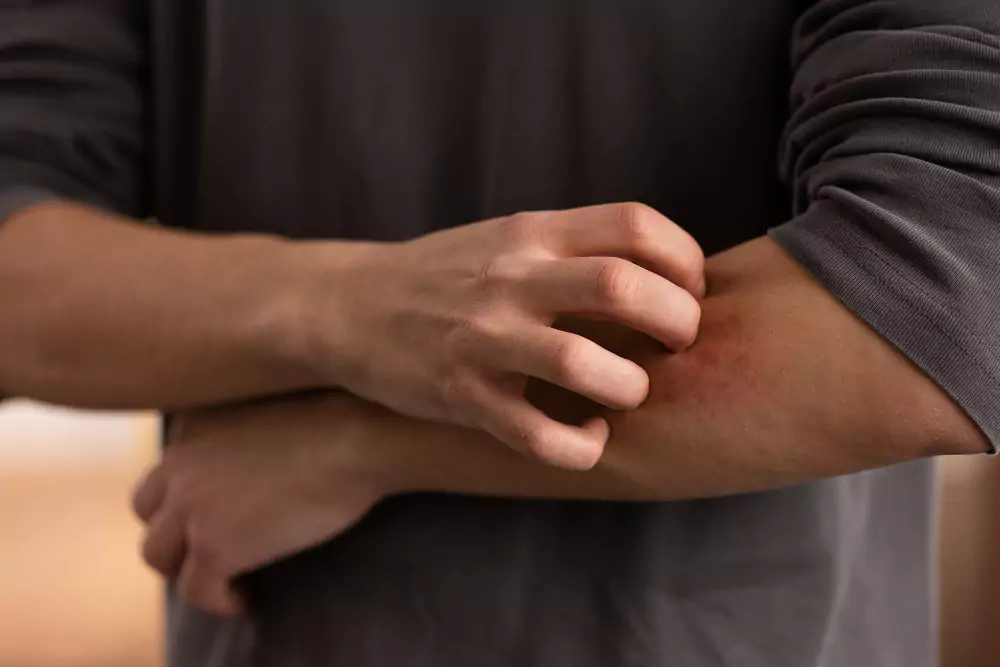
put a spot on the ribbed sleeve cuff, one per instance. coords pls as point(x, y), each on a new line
point(927, 332)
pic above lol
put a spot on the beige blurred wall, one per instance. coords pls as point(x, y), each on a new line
point(73, 591)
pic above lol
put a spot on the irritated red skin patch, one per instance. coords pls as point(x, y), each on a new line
point(717, 366)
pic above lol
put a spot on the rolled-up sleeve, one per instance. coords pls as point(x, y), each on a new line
point(893, 153)
point(72, 87)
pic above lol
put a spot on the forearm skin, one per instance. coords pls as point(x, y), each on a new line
point(784, 386)
point(99, 311)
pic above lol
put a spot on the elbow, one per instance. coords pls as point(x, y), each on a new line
point(946, 417)
point(958, 435)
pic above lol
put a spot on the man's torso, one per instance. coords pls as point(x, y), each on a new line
point(388, 119)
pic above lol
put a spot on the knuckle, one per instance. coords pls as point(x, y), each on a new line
point(500, 273)
point(482, 326)
point(451, 388)
point(536, 440)
point(618, 283)
point(637, 222)
point(543, 442)
point(463, 338)
point(521, 229)
point(458, 330)
point(455, 390)
point(568, 359)
point(490, 275)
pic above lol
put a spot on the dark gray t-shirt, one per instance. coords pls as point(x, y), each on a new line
point(387, 119)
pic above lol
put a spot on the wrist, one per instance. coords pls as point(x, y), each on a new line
point(323, 293)
point(368, 443)
point(277, 320)
point(403, 455)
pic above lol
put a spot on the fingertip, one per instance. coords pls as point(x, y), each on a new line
point(588, 456)
point(227, 600)
point(587, 450)
point(209, 592)
point(599, 427)
point(701, 288)
point(231, 603)
point(617, 383)
point(529, 431)
point(687, 323)
point(164, 546)
point(220, 602)
point(634, 388)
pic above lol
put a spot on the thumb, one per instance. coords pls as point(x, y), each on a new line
point(207, 589)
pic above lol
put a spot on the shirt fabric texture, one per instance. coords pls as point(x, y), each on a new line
point(871, 154)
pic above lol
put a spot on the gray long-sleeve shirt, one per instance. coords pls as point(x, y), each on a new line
point(387, 119)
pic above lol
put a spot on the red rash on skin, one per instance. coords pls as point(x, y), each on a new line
point(717, 365)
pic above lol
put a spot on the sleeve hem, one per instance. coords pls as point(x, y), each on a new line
point(925, 331)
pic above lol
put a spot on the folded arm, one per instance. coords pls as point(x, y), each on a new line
point(891, 151)
point(873, 340)
point(101, 309)
point(783, 386)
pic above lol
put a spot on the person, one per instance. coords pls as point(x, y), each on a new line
point(259, 218)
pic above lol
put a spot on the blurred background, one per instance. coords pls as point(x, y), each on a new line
point(74, 593)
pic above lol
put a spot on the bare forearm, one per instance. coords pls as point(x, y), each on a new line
point(783, 386)
point(101, 311)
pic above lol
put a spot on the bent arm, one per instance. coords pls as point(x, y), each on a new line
point(891, 150)
point(784, 386)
